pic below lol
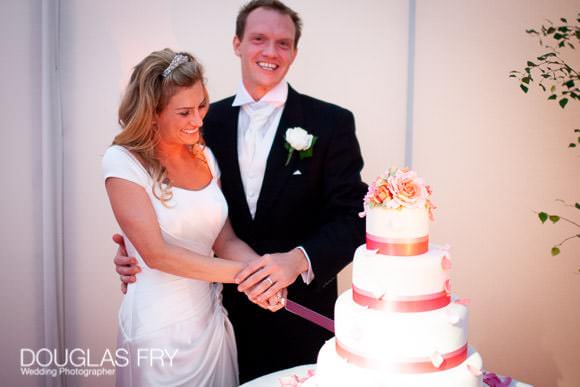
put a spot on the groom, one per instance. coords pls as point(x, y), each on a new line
point(302, 212)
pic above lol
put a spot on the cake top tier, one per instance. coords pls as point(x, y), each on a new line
point(398, 211)
point(399, 188)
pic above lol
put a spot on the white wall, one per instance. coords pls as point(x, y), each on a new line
point(491, 153)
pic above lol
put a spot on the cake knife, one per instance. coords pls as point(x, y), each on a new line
point(310, 315)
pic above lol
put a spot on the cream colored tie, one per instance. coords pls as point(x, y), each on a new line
point(258, 117)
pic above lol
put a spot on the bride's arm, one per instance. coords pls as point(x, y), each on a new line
point(136, 217)
point(228, 246)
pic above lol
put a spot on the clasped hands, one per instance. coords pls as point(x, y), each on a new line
point(265, 280)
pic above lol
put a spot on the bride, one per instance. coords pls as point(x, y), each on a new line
point(163, 185)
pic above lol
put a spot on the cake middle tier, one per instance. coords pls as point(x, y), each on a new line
point(394, 336)
point(393, 277)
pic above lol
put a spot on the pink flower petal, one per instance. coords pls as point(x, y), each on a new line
point(446, 263)
point(492, 380)
point(447, 286)
point(453, 317)
point(474, 370)
point(289, 381)
point(437, 359)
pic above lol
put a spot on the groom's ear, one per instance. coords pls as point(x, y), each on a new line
point(236, 44)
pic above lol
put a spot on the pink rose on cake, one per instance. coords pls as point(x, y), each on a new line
point(408, 189)
point(383, 194)
point(398, 188)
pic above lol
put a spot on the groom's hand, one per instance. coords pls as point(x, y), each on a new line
point(125, 266)
point(266, 276)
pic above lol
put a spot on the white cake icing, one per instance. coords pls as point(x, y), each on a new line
point(398, 325)
point(400, 223)
point(333, 370)
point(394, 336)
point(394, 276)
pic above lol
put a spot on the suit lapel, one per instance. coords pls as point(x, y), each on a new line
point(231, 164)
point(277, 173)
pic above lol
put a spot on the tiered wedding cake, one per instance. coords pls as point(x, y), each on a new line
point(398, 325)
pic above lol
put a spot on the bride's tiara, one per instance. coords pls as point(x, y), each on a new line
point(177, 60)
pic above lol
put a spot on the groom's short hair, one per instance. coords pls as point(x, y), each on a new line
point(275, 5)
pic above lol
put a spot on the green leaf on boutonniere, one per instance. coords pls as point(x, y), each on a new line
point(543, 216)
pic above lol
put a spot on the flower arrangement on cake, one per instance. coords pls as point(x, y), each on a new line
point(399, 188)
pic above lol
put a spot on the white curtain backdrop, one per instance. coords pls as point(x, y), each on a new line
point(52, 185)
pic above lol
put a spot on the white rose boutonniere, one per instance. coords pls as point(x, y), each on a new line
point(298, 139)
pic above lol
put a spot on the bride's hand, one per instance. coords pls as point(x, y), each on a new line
point(274, 303)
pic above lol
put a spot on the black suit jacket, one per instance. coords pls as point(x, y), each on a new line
point(316, 209)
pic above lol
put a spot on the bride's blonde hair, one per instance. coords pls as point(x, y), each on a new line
point(153, 82)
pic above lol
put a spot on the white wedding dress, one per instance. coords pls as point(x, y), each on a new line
point(163, 312)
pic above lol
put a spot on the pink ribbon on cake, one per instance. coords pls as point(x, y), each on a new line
point(408, 304)
point(398, 246)
point(410, 366)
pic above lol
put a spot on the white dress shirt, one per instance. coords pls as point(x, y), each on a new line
point(257, 125)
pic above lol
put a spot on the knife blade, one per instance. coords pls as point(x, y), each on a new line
point(310, 315)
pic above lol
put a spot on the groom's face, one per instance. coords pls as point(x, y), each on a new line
point(266, 50)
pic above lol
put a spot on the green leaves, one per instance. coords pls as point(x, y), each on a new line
point(573, 145)
point(555, 219)
point(549, 69)
point(543, 216)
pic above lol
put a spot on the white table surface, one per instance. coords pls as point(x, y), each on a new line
point(271, 380)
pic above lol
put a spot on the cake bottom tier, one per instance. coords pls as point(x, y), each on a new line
point(334, 371)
